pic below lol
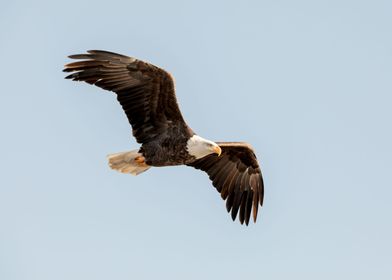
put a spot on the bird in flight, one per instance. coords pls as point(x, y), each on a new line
point(147, 95)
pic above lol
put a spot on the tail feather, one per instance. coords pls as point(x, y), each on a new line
point(124, 162)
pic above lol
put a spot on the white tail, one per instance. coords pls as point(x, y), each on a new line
point(125, 162)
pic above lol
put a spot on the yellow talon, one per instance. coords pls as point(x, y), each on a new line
point(140, 160)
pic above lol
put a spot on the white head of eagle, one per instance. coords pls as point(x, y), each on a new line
point(199, 147)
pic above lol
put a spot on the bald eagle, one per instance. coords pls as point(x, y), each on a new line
point(147, 95)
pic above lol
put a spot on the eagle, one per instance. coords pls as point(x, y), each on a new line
point(147, 95)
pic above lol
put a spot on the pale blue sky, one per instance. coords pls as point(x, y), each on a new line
point(308, 83)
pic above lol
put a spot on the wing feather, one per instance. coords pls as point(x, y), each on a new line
point(237, 176)
point(145, 92)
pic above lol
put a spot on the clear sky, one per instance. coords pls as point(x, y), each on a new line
point(307, 83)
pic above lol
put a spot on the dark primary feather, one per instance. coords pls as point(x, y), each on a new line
point(145, 92)
point(237, 176)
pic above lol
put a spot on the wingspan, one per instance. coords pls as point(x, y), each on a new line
point(237, 177)
point(145, 92)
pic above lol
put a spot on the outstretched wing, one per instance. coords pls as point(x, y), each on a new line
point(237, 176)
point(145, 92)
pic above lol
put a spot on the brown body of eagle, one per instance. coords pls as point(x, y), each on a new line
point(147, 95)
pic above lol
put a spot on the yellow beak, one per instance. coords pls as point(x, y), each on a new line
point(218, 150)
